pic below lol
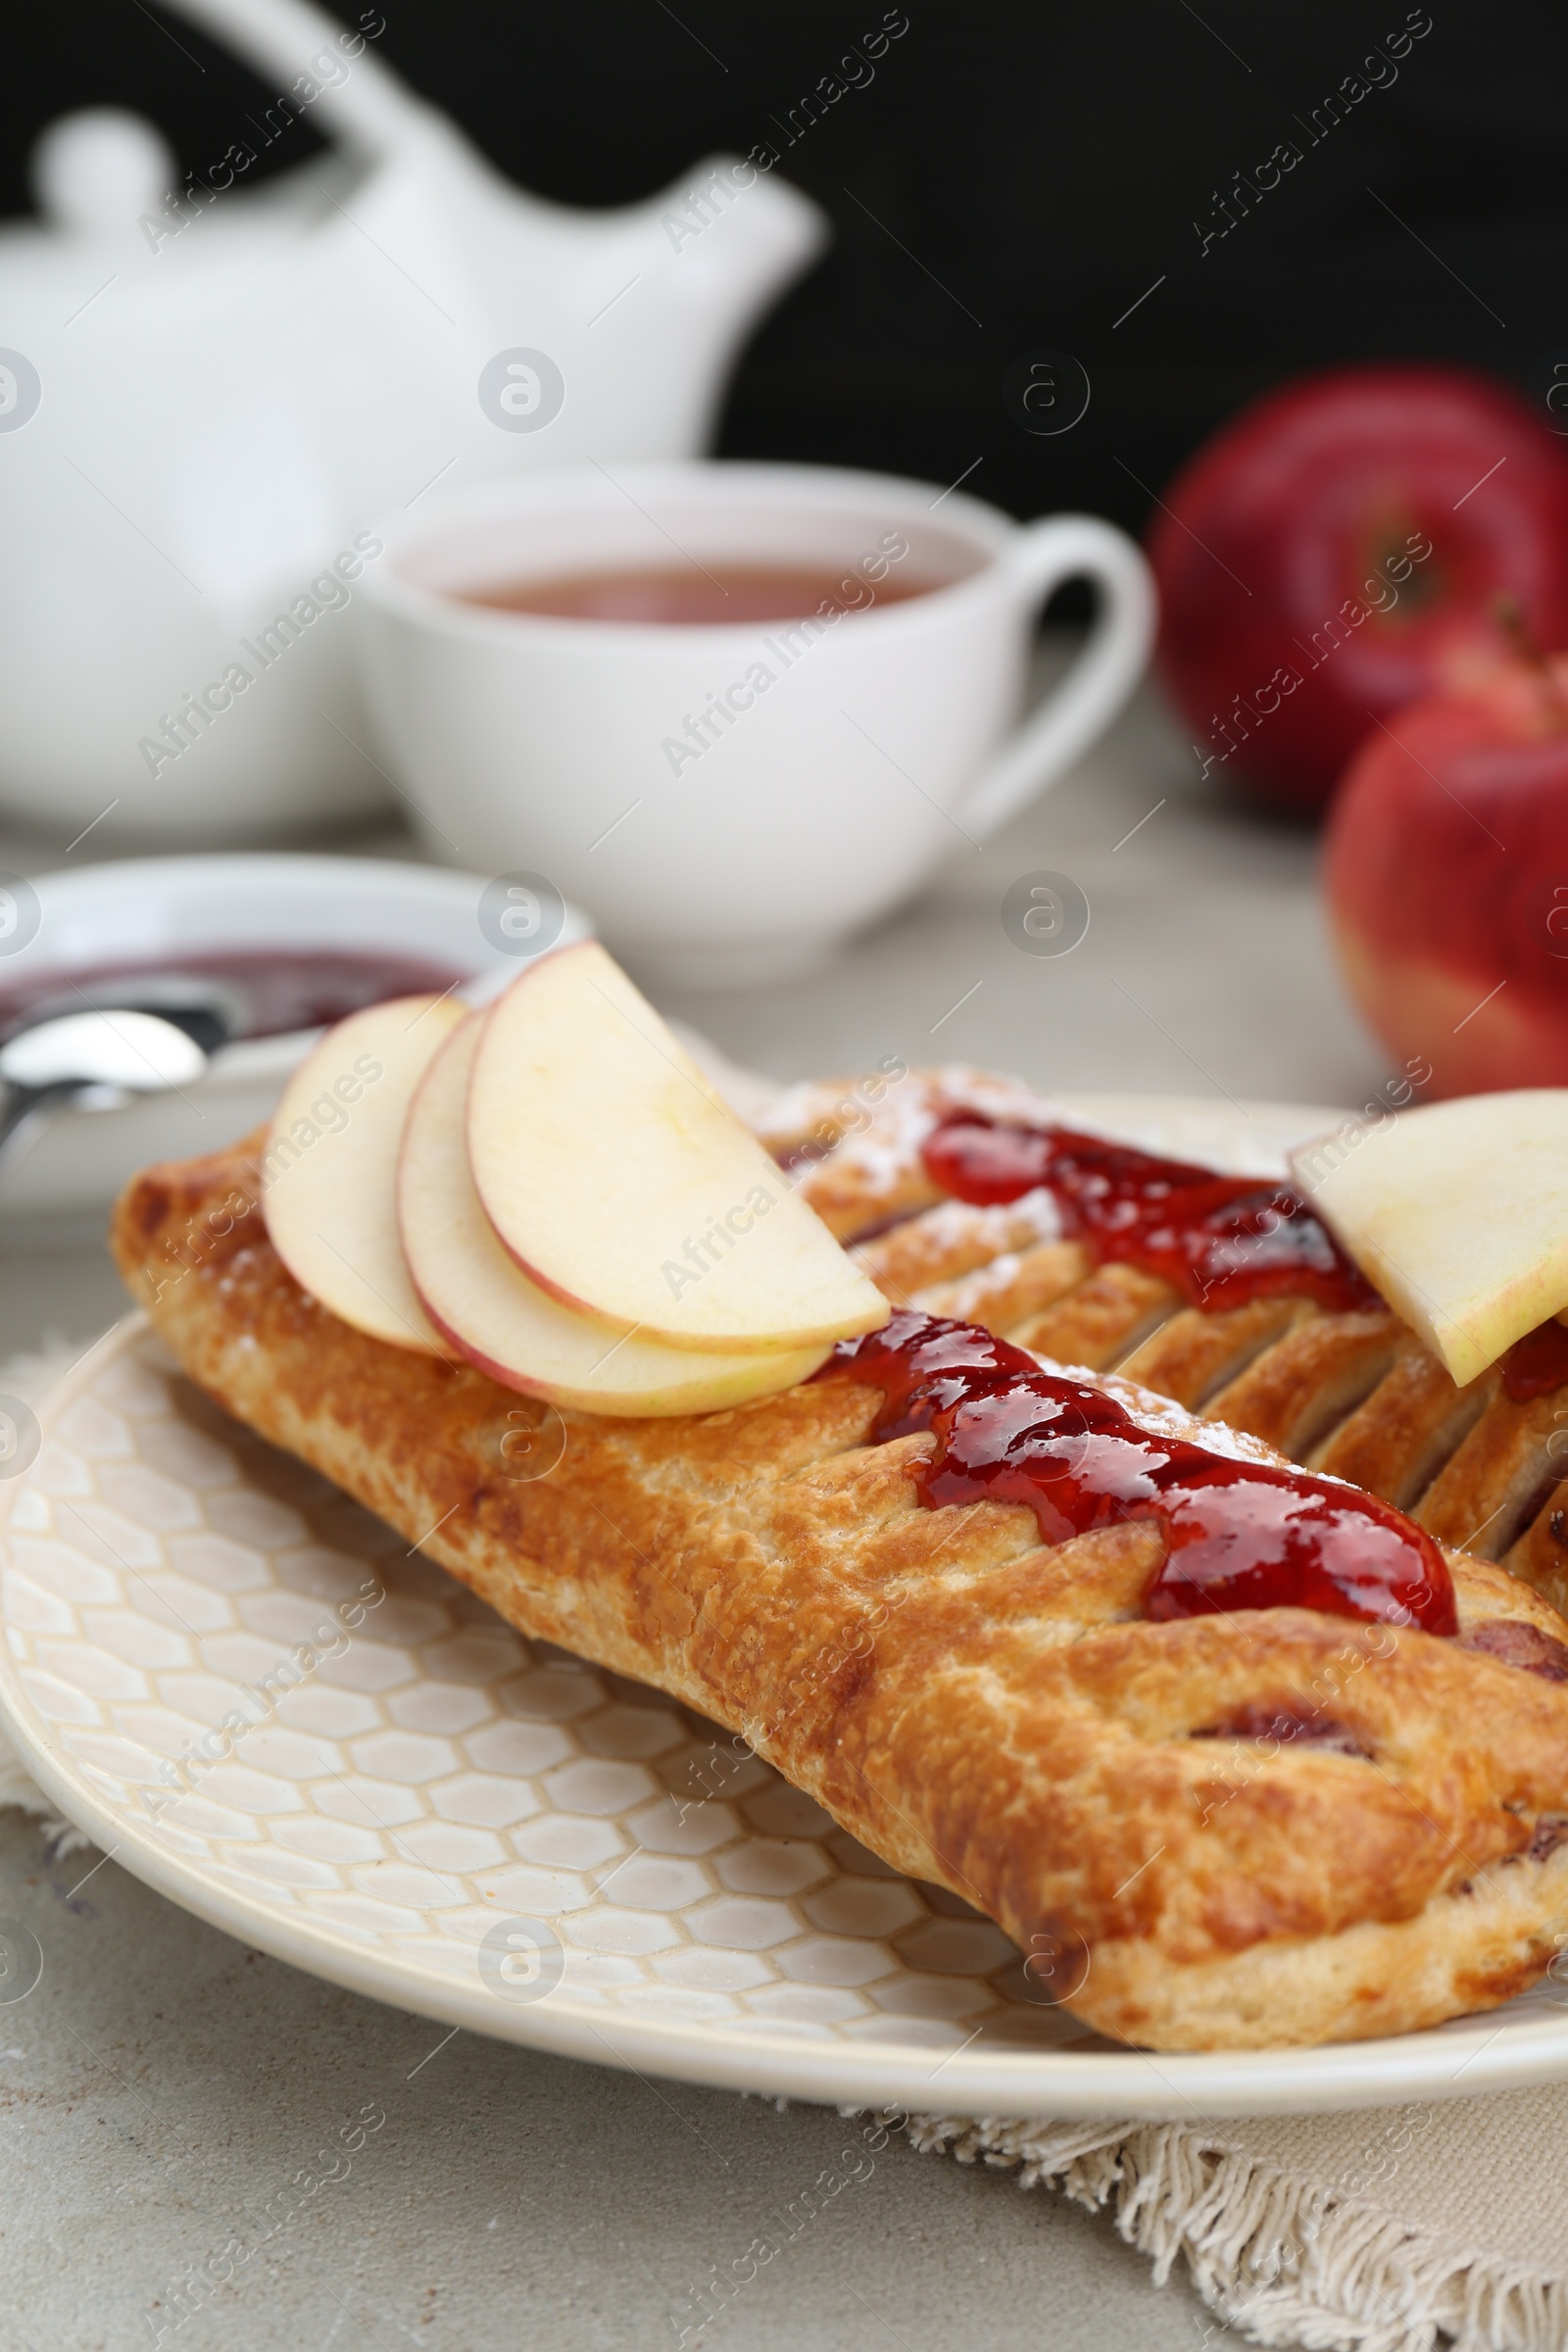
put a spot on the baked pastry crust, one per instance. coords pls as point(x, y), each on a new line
point(1353, 1394)
point(1221, 1832)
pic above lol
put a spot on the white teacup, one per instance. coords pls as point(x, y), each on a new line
point(730, 801)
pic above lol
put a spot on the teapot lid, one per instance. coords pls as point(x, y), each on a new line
point(95, 172)
point(104, 176)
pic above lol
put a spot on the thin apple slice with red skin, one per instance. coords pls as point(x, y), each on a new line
point(623, 1185)
point(491, 1314)
point(330, 1170)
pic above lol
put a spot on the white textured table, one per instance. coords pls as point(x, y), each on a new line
point(162, 2080)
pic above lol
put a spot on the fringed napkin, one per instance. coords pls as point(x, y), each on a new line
point(1396, 2230)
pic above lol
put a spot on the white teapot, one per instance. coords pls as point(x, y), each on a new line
point(209, 393)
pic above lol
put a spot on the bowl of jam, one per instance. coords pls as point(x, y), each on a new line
point(274, 948)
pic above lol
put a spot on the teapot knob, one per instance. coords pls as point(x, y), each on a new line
point(94, 173)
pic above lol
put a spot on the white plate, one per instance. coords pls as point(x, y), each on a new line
point(440, 1775)
point(71, 1166)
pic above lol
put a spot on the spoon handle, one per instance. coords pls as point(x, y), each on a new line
point(20, 1105)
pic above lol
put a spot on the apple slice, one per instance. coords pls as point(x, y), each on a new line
point(494, 1315)
point(1458, 1211)
point(623, 1185)
point(330, 1171)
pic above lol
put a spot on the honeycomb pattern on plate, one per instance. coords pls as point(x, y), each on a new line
point(401, 1770)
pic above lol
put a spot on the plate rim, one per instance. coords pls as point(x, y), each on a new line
point(1204, 2087)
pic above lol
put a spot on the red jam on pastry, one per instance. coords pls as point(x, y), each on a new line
point(1218, 1240)
point(1538, 1363)
point(1239, 1535)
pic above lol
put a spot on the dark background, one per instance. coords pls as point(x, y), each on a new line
point(1034, 169)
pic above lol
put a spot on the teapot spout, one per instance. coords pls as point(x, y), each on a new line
point(731, 235)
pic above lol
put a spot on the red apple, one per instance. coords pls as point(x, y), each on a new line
point(1447, 873)
point(1338, 550)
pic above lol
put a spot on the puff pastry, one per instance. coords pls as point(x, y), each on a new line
point(1353, 1394)
point(1225, 1831)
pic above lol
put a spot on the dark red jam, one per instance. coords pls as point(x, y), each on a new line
point(1289, 1722)
point(1537, 1365)
point(1218, 1240)
point(1239, 1535)
point(1518, 1644)
point(272, 990)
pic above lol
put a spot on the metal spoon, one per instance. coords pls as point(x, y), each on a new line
point(94, 1058)
point(211, 1011)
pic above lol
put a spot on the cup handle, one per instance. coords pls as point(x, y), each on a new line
point(1066, 547)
